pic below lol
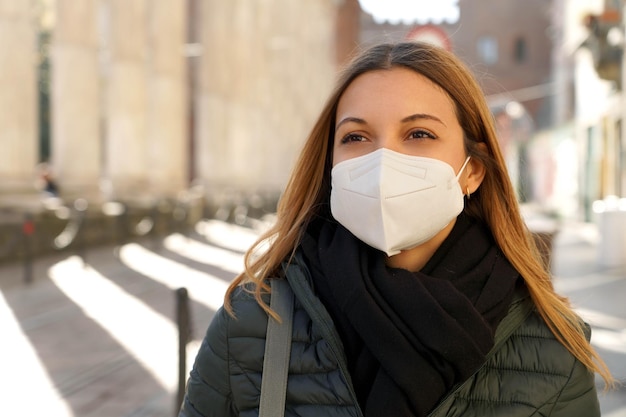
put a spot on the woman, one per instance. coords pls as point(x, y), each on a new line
point(418, 289)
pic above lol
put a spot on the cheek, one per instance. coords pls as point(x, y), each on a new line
point(342, 153)
point(334, 157)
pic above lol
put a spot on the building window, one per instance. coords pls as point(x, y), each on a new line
point(520, 50)
point(488, 49)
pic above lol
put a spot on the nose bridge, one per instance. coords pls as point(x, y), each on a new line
point(388, 141)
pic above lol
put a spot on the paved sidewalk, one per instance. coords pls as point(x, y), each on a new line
point(598, 293)
point(62, 354)
point(100, 340)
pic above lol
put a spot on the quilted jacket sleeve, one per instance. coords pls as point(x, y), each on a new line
point(579, 396)
point(530, 374)
point(208, 391)
point(226, 377)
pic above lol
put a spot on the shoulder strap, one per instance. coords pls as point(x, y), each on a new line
point(277, 351)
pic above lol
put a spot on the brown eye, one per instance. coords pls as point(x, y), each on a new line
point(352, 137)
point(422, 134)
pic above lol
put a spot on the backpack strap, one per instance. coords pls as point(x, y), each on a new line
point(277, 351)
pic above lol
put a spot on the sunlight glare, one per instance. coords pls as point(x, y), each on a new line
point(412, 11)
point(226, 235)
point(203, 253)
point(609, 340)
point(23, 374)
point(148, 336)
point(202, 287)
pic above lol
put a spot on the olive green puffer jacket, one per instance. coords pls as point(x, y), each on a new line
point(527, 373)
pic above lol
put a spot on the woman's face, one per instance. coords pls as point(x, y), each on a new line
point(401, 110)
point(405, 112)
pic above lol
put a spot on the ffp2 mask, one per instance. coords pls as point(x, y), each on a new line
point(393, 201)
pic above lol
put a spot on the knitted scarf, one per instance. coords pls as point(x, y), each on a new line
point(410, 337)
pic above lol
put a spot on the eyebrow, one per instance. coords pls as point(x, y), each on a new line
point(349, 119)
point(411, 118)
point(422, 116)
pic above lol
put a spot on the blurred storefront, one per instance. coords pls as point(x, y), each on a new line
point(600, 104)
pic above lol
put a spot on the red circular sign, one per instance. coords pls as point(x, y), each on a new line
point(430, 34)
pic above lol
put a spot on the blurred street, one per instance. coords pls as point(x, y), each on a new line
point(99, 339)
point(598, 295)
point(126, 124)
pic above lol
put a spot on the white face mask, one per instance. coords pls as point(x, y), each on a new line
point(393, 201)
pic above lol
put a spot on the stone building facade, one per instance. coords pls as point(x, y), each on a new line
point(151, 97)
point(18, 97)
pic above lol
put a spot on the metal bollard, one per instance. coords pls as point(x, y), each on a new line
point(184, 336)
point(80, 205)
point(28, 230)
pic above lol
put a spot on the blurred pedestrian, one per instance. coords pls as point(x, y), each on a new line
point(418, 289)
point(47, 184)
point(50, 186)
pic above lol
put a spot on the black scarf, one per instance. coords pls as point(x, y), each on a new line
point(410, 337)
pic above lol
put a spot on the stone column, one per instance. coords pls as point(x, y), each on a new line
point(126, 159)
point(167, 140)
point(213, 83)
point(266, 70)
point(18, 99)
point(76, 150)
point(301, 67)
point(347, 30)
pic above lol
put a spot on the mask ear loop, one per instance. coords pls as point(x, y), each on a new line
point(462, 167)
point(467, 191)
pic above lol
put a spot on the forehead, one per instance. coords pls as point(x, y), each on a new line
point(397, 87)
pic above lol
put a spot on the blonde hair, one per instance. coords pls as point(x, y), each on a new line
point(307, 192)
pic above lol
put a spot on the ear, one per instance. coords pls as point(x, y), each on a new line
point(475, 173)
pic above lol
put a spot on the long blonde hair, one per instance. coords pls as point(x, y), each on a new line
point(307, 192)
